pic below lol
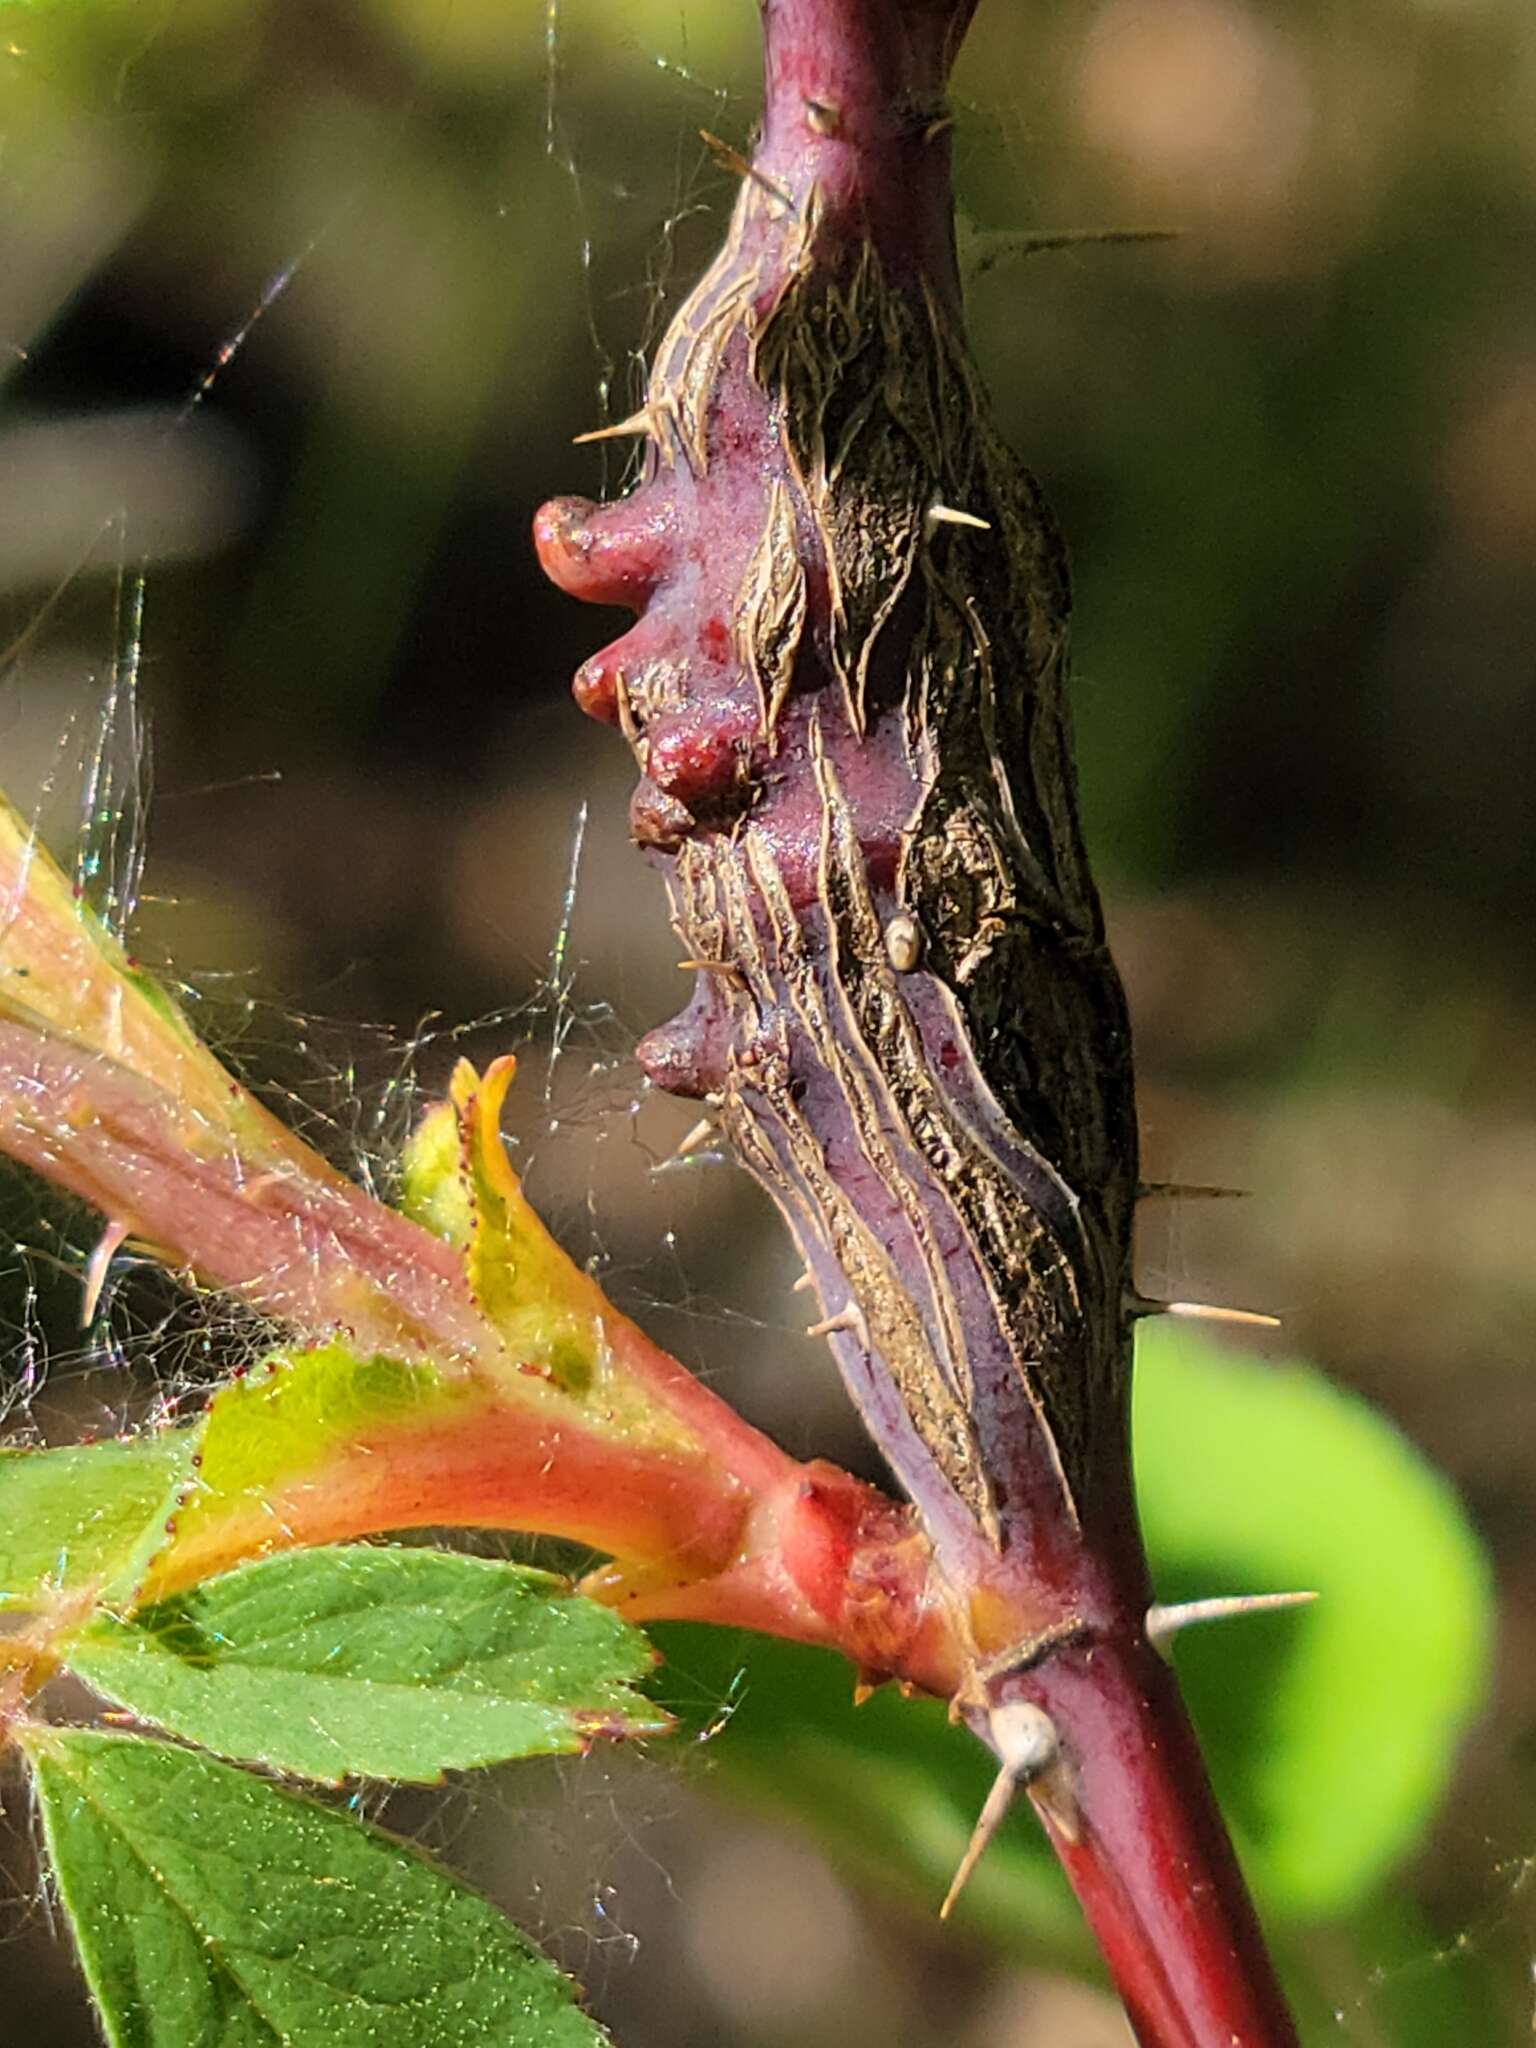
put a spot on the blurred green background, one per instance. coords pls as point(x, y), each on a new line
point(300, 304)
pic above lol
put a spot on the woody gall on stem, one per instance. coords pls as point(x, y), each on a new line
point(846, 696)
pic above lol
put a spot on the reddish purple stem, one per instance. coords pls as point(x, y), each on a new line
point(803, 814)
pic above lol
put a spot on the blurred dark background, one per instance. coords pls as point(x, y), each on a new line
point(300, 305)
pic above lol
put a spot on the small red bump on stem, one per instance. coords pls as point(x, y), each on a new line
point(604, 554)
point(595, 687)
point(657, 819)
point(699, 764)
point(685, 1055)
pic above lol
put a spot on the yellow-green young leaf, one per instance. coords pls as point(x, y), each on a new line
point(545, 1307)
point(433, 1183)
point(298, 1408)
point(214, 1910)
point(304, 1426)
point(79, 1514)
point(380, 1662)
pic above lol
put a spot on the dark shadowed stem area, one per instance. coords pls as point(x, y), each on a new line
point(1148, 1853)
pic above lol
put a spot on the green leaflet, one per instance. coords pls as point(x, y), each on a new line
point(300, 1407)
point(359, 1661)
point(308, 1428)
point(213, 1910)
point(432, 1178)
point(1331, 1731)
point(105, 1513)
point(81, 1513)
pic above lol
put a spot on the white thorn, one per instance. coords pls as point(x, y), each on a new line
point(699, 1136)
point(629, 725)
point(1201, 1311)
point(1214, 1312)
point(1027, 1745)
point(103, 1252)
point(1164, 1623)
point(804, 1284)
point(727, 970)
point(940, 514)
point(849, 1317)
point(732, 160)
point(641, 422)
